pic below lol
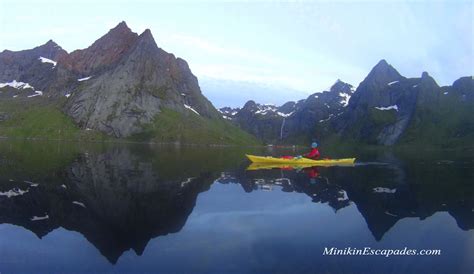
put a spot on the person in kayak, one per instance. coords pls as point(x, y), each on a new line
point(313, 154)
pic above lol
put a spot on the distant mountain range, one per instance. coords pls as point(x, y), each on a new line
point(385, 109)
point(125, 86)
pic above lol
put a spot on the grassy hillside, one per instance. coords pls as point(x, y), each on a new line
point(448, 125)
point(189, 128)
point(39, 119)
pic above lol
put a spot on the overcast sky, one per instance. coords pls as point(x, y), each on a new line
point(303, 46)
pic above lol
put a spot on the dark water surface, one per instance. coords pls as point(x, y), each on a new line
point(93, 208)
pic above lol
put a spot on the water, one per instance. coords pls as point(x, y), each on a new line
point(93, 208)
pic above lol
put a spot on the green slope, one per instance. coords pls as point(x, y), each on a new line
point(39, 119)
point(36, 118)
point(190, 128)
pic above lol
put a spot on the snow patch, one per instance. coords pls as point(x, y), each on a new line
point(345, 99)
point(285, 114)
point(67, 95)
point(49, 61)
point(390, 214)
point(31, 183)
point(187, 181)
point(13, 192)
point(327, 119)
point(79, 204)
point(84, 79)
point(64, 186)
point(264, 109)
point(445, 93)
point(192, 109)
point(391, 83)
point(415, 85)
point(384, 190)
point(37, 93)
point(39, 218)
point(344, 196)
point(17, 85)
point(395, 107)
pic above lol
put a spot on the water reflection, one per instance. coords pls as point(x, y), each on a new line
point(114, 199)
point(121, 197)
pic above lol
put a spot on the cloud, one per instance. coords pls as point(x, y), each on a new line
point(200, 43)
point(251, 74)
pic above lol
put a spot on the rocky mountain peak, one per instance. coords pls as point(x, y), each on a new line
point(121, 27)
point(287, 107)
point(50, 50)
point(250, 105)
point(428, 82)
point(103, 52)
point(341, 87)
point(382, 74)
point(146, 39)
point(465, 84)
point(51, 43)
point(119, 32)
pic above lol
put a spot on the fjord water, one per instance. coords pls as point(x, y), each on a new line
point(134, 208)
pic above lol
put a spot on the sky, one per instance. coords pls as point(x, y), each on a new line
point(284, 50)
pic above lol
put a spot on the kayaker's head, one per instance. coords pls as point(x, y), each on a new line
point(314, 145)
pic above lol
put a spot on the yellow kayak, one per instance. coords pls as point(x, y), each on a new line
point(258, 166)
point(301, 161)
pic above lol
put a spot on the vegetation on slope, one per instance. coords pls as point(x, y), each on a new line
point(190, 128)
point(39, 119)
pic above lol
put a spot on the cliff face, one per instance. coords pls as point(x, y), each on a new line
point(119, 85)
point(388, 108)
point(143, 80)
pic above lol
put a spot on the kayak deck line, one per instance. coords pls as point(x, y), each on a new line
point(259, 166)
point(300, 161)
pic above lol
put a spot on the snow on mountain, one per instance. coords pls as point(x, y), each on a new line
point(49, 61)
point(17, 85)
point(395, 107)
point(84, 79)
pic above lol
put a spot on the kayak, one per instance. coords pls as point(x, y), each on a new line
point(304, 161)
point(258, 166)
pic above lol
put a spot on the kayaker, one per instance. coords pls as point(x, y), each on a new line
point(313, 154)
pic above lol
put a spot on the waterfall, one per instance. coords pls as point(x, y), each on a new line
point(281, 129)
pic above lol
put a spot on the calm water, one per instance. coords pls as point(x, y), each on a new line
point(93, 208)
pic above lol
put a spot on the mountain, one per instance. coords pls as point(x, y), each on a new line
point(385, 109)
point(388, 108)
point(292, 120)
point(122, 85)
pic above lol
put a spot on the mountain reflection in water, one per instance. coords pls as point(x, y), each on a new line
point(121, 197)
